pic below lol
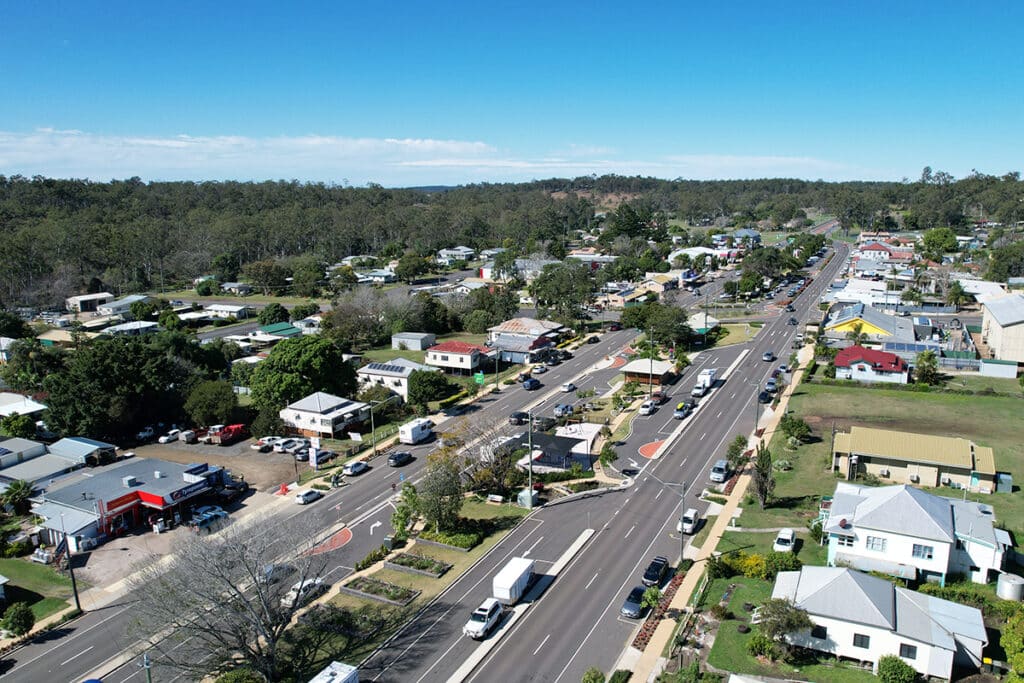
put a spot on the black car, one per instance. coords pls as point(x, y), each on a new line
point(518, 418)
point(764, 397)
point(552, 361)
point(791, 321)
point(655, 572)
point(542, 424)
point(565, 355)
point(789, 308)
point(531, 384)
point(399, 458)
point(592, 340)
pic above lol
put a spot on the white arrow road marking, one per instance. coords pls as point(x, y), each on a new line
point(374, 526)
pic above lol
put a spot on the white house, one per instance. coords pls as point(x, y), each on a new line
point(323, 414)
point(377, 277)
point(1002, 327)
point(862, 617)
point(524, 340)
point(393, 374)
point(237, 288)
point(122, 306)
point(867, 365)
point(87, 303)
point(414, 341)
point(310, 325)
point(448, 256)
point(456, 355)
point(906, 532)
point(228, 310)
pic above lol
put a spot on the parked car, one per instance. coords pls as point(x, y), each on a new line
point(543, 424)
point(783, 369)
point(784, 541)
point(648, 408)
point(212, 510)
point(771, 385)
point(655, 572)
point(552, 361)
point(683, 409)
point(170, 436)
point(764, 397)
point(564, 355)
point(272, 573)
point(145, 434)
point(284, 445)
point(568, 386)
point(531, 384)
point(265, 444)
point(353, 468)
point(789, 308)
point(298, 446)
point(323, 455)
point(302, 592)
point(689, 522)
point(659, 397)
point(483, 619)
point(188, 436)
point(518, 418)
point(719, 471)
point(307, 497)
point(399, 458)
point(632, 607)
point(614, 327)
point(768, 356)
point(563, 410)
point(592, 339)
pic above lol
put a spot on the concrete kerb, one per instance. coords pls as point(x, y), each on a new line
point(649, 664)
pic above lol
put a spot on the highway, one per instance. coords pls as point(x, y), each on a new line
point(85, 644)
point(576, 623)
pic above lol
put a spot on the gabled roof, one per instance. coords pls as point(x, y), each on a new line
point(1006, 310)
point(527, 326)
point(281, 330)
point(398, 367)
point(458, 348)
point(874, 317)
point(321, 402)
point(876, 246)
point(850, 596)
point(642, 366)
point(880, 361)
point(942, 450)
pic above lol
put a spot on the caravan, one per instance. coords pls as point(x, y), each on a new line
point(416, 431)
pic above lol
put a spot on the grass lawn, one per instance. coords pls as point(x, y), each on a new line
point(808, 551)
point(730, 649)
point(975, 382)
point(987, 420)
point(46, 590)
point(736, 333)
point(701, 537)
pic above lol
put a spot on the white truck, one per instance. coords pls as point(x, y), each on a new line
point(705, 380)
point(416, 431)
point(511, 582)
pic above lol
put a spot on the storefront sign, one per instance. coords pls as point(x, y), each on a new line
point(188, 491)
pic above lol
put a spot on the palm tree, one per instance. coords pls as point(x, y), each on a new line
point(16, 496)
point(956, 295)
point(857, 335)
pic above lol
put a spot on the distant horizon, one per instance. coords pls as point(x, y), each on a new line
point(405, 94)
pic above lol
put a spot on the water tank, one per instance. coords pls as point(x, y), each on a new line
point(1010, 587)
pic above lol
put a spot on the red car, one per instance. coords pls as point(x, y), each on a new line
point(614, 327)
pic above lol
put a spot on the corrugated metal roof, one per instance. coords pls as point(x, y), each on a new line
point(1006, 310)
point(923, 448)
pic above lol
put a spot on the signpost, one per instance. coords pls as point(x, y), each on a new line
point(479, 378)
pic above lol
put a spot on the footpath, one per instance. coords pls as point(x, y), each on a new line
point(648, 664)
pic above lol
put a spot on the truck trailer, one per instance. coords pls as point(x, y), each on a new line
point(705, 380)
point(415, 431)
point(512, 581)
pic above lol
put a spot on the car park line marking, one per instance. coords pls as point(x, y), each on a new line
point(660, 491)
point(630, 531)
point(702, 436)
point(541, 644)
point(592, 579)
point(86, 650)
point(733, 395)
point(719, 414)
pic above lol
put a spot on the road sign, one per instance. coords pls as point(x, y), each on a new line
point(479, 378)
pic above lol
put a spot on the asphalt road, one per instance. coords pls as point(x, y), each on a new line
point(576, 623)
point(83, 645)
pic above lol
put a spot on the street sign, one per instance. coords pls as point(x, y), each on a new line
point(479, 378)
point(355, 436)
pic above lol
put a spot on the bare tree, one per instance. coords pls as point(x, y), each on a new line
point(216, 605)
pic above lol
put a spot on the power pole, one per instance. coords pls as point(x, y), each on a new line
point(529, 457)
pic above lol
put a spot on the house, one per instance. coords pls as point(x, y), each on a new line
point(85, 451)
point(228, 311)
point(236, 288)
point(592, 257)
point(11, 403)
point(456, 355)
point(660, 283)
point(550, 453)
point(87, 303)
point(524, 340)
point(1002, 327)
point(122, 306)
point(869, 321)
point(909, 533)
point(323, 414)
point(467, 287)
point(747, 235)
point(908, 458)
point(135, 328)
point(875, 251)
point(377, 277)
point(862, 617)
point(412, 341)
point(65, 339)
point(393, 374)
point(489, 254)
point(310, 325)
point(446, 257)
point(281, 330)
point(867, 365)
point(646, 371)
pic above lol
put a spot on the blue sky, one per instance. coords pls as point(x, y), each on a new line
point(440, 93)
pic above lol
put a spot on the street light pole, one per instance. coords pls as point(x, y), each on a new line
point(529, 457)
point(373, 429)
point(682, 508)
point(650, 377)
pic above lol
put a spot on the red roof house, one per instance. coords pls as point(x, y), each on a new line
point(456, 355)
point(867, 365)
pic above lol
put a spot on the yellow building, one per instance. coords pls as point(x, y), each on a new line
point(872, 322)
point(908, 458)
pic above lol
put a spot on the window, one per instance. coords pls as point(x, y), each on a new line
point(444, 358)
point(908, 651)
point(923, 552)
point(819, 632)
point(875, 543)
point(861, 640)
point(844, 541)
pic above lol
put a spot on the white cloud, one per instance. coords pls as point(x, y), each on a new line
point(392, 161)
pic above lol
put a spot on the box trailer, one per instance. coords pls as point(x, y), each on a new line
point(512, 581)
point(416, 431)
point(705, 380)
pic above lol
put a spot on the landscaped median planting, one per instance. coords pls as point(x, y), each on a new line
point(654, 618)
point(367, 587)
point(417, 564)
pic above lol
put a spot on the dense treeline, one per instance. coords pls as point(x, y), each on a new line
point(67, 236)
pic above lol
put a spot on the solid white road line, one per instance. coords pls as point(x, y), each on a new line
point(530, 549)
point(660, 491)
point(630, 531)
point(82, 653)
point(541, 644)
point(592, 579)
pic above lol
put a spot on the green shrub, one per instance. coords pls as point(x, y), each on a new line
point(372, 558)
point(19, 619)
point(466, 540)
point(620, 676)
point(244, 675)
point(18, 549)
point(761, 645)
point(721, 500)
point(892, 669)
point(453, 399)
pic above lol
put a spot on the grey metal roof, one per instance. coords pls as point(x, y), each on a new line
point(1006, 310)
point(848, 595)
point(399, 367)
point(78, 447)
point(39, 469)
point(74, 520)
point(901, 328)
point(106, 483)
point(321, 402)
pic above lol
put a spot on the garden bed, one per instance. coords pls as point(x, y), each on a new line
point(417, 564)
point(366, 587)
point(656, 614)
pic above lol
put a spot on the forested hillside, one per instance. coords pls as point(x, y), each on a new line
point(62, 237)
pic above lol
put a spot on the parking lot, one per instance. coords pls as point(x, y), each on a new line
point(263, 471)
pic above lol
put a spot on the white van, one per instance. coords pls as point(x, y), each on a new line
point(689, 522)
point(416, 431)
